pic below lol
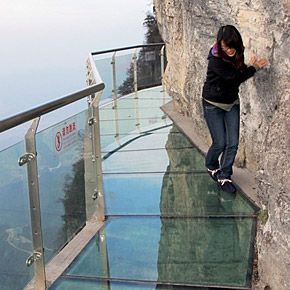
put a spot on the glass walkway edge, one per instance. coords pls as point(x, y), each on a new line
point(167, 224)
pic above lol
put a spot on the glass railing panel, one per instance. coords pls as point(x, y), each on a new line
point(172, 195)
point(104, 67)
point(15, 224)
point(124, 74)
point(188, 251)
point(61, 180)
point(149, 67)
point(148, 70)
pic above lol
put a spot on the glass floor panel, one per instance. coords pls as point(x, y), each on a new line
point(162, 129)
point(126, 126)
point(173, 195)
point(140, 102)
point(111, 142)
point(178, 154)
point(129, 113)
point(150, 140)
point(190, 251)
point(154, 161)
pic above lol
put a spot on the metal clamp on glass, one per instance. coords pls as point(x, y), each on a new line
point(27, 157)
point(92, 121)
point(96, 194)
point(31, 259)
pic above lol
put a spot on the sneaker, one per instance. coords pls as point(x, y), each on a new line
point(213, 173)
point(226, 184)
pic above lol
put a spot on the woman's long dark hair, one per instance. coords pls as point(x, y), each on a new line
point(233, 39)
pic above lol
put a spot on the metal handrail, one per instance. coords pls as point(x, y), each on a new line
point(31, 114)
point(128, 47)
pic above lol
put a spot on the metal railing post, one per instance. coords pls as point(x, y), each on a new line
point(89, 156)
point(162, 61)
point(114, 79)
point(162, 65)
point(115, 97)
point(96, 159)
point(135, 74)
point(30, 158)
point(135, 70)
point(94, 122)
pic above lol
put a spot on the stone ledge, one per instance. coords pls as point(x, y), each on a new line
point(242, 177)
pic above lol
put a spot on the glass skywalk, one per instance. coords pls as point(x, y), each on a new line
point(167, 224)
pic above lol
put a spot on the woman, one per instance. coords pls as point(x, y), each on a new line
point(226, 71)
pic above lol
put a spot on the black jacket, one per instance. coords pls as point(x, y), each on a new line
point(223, 80)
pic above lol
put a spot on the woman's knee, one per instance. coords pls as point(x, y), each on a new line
point(218, 146)
point(232, 146)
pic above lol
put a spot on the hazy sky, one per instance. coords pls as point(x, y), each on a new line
point(44, 45)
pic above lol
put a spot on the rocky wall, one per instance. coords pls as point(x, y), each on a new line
point(189, 28)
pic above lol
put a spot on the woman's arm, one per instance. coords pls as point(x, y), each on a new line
point(228, 72)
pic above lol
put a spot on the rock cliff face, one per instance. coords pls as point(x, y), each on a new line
point(189, 29)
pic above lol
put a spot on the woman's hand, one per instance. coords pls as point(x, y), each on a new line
point(253, 59)
point(258, 63)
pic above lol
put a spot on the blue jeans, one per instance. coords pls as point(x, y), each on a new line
point(224, 129)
